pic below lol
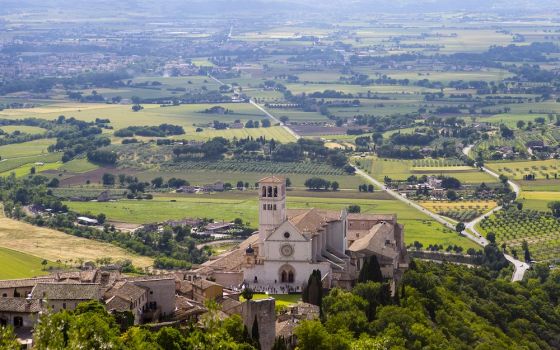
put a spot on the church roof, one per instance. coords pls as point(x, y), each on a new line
point(375, 242)
point(311, 220)
point(373, 217)
point(273, 179)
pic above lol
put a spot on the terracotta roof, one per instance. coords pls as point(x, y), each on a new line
point(185, 287)
point(373, 217)
point(310, 221)
point(26, 282)
point(118, 304)
point(375, 241)
point(127, 291)
point(231, 260)
point(67, 291)
point(204, 284)
point(273, 179)
point(167, 276)
point(229, 304)
point(286, 328)
point(19, 305)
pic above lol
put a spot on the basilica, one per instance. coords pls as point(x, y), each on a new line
point(291, 243)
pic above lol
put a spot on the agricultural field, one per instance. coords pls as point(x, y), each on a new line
point(512, 227)
point(14, 264)
point(22, 128)
point(25, 149)
point(463, 211)
point(398, 169)
point(542, 169)
point(25, 170)
point(230, 205)
point(13, 163)
point(58, 246)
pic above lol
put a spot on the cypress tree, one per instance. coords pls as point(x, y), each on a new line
point(375, 270)
point(255, 333)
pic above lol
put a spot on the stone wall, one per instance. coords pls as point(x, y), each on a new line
point(264, 311)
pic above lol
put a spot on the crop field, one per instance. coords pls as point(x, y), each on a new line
point(263, 167)
point(244, 205)
point(398, 169)
point(13, 163)
point(22, 128)
point(25, 149)
point(122, 116)
point(299, 88)
point(277, 133)
point(25, 170)
point(201, 177)
point(14, 264)
point(461, 210)
point(495, 142)
point(538, 200)
point(78, 165)
point(58, 246)
point(542, 232)
point(540, 168)
point(486, 75)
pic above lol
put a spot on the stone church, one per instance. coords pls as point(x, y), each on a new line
point(291, 243)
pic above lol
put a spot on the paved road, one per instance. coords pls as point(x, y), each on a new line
point(267, 113)
point(519, 266)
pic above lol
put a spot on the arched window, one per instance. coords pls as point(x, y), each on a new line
point(283, 278)
point(264, 191)
point(270, 191)
point(290, 277)
point(287, 274)
point(275, 191)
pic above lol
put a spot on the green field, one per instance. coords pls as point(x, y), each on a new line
point(25, 149)
point(13, 163)
point(78, 165)
point(398, 169)
point(14, 264)
point(22, 128)
point(230, 205)
point(540, 168)
point(25, 170)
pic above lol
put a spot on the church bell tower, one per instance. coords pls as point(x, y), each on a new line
point(272, 205)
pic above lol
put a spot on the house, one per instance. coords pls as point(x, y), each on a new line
point(20, 288)
point(125, 296)
point(66, 296)
point(161, 295)
point(217, 187)
point(204, 290)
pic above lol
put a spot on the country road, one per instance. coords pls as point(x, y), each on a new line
point(519, 266)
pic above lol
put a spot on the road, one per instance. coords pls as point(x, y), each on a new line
point(267, 113)
point(519, 266)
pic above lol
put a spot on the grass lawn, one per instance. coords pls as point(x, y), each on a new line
point(281, 299)
point(58, 246)
point(231, 205)
point(14, 264)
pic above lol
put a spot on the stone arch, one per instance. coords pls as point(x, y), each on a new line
point(287, 274)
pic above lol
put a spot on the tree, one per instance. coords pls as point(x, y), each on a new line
point(520, 124)
point(317, 183)
point(157, 182)
point(255, 333)
point(554, 208)
point(53, 183)
point(491, 237)
point(452, 195)
point(313, 291)
point(312, 335)
point(108, 179)
point(247, 294)
point(371, 271)
point(354, 208)
point(334, 186)
point(44, 263)
point(288, 182)
point(8, 339)
point(460, 227)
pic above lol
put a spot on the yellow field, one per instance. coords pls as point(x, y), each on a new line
point(439, 206)
point(55, 245)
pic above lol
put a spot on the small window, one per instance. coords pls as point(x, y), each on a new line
point(264, 206)
point(64, 306)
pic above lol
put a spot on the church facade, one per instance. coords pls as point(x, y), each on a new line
point(291, 243)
